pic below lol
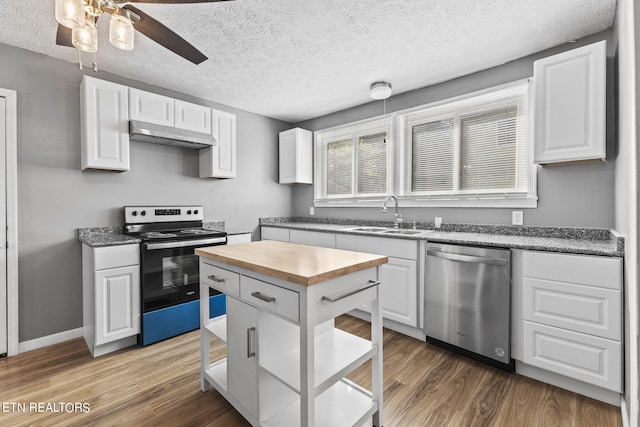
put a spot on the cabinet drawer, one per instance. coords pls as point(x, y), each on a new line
point(589, 270)
point(397, 248)
point(274, 233)
point(583, 357)
point(587, 309)
point(116, 256)
point(313, 238)
point(218, 278)
point(273, 298)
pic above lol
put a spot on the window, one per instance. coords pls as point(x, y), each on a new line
point(474, 148)
point(354, 161)
point(468, 151)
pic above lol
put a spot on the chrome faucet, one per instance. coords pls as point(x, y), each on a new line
point(399, 219)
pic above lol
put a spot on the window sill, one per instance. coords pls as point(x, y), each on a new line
point(430, 203)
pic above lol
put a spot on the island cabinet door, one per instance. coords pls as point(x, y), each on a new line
point(242, 357)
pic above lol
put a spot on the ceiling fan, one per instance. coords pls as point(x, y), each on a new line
point(77, 26)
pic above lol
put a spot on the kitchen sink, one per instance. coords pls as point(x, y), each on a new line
point(403, 231)
point(369, 229)
point(386, 230)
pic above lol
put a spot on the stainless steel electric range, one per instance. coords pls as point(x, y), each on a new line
point(169, 269)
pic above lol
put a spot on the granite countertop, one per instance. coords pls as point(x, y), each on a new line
point(589, 241)
point(97, 237)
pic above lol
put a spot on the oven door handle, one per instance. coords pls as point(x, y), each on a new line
point(185, 243)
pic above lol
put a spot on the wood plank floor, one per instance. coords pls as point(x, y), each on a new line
point(159, 385)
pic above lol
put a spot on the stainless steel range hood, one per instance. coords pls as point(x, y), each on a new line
point(167, 135)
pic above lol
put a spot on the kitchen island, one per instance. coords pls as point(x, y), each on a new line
point(286, 362)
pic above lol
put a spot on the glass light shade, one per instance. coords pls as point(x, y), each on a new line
point(86, 38)
point(121, 32)
point(70, 13)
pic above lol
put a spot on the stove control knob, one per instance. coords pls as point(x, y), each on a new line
point(134, 213)
point(189, 212)
point(195, 212)
point(143, 213)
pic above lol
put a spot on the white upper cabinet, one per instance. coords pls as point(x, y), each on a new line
point(151, 108)
point(219, 161)
point(105, 129)
point(192, 117)
point(161, 110)
point(295, 156)
point(570, 106)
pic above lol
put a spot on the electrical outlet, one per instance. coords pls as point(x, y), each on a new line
point(312, 211)
point(437, 222)
point(517, 218)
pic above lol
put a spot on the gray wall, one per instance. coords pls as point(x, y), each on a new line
point(55, 197)
point(577, 195)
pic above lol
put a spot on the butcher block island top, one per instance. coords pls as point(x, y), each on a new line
point(301, 264)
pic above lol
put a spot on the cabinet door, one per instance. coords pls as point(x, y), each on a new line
point(242, 359)
point(219, 161)
point(117, 295)
point(151, 108)
point(105, 126)
point(295, 156)
point(570, 105)
point(192, 117)
point(398, 291)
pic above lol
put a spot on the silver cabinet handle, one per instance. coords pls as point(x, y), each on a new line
point(465, 258)
point(215, 279)
point(250, 340)
point(265, 298)
point(191, 293)
point(334, 298)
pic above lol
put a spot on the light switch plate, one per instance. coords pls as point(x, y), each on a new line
point(517, 218)
point(312, 211)
point(437, 222)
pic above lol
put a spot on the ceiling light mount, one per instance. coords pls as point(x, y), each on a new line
point(380, 90)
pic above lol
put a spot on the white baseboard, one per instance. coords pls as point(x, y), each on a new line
point(49, 340)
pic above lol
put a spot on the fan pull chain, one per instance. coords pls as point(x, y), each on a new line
point(95, 64)
point(79, 59)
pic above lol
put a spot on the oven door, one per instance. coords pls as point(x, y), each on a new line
point(170, 272)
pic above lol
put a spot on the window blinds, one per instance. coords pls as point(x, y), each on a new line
point(339, 167)
point(473, 147)
point(371, 174)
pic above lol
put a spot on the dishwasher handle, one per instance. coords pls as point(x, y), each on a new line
point(465, 258)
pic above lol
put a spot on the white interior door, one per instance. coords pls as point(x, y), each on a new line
point(3, 228)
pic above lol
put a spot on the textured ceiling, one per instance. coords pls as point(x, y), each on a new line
point(299, 59)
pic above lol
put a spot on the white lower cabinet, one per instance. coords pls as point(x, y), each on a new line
point(274, 233)
point(572, 316)
point(111, 297)
point(313, 238)
point(398, 278)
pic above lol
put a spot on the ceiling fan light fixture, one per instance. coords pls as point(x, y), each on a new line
point(70, 13)
point(93, 7)
point(380, 90)
point(86, 38)
point(121, 32)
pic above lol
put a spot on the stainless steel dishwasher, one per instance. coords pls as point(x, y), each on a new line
point(467, 302)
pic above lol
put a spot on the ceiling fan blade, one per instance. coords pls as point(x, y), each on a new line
point(165, 37)
point(63, 36)
point(172, 1)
